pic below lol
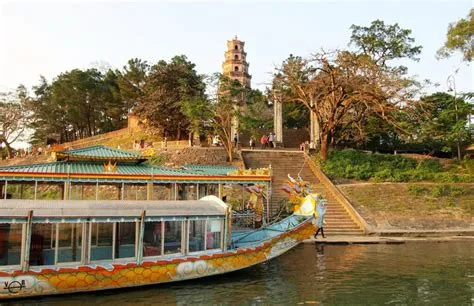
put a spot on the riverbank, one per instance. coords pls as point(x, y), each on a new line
point(397, 209)
point(352, 239)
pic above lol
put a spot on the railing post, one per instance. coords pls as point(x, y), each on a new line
point(27, 241)
point(140, 238)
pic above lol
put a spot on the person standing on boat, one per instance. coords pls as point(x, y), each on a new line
point(321, 209)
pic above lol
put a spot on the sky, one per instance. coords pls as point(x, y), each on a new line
point(47, 38)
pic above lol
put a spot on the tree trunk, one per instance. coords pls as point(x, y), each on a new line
point(324, 146)
point(228, 149)
point(9, 149)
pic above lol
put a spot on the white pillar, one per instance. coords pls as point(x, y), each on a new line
point(313, 129)
point(278, 117)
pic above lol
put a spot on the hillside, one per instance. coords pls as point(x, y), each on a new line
point(410, 206)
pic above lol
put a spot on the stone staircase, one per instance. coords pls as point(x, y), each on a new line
point(338, 220)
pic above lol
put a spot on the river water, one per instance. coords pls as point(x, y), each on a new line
point(404, 274)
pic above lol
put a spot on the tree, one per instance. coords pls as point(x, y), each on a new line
point(335, 85)
point(218, 110)
point(384, 42)
point(460, 37)
point(295, 115)
point(441, 130)
point(132, 80)
point(256, 113)
point(77, 104)
point(167, 86)
point(13, 118)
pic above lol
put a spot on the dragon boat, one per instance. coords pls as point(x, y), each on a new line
point(58, 247)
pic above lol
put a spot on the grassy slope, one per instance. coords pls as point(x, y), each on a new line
point(394, 206)
point(411, 192)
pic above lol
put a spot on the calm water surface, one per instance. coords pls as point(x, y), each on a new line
point(413, 274)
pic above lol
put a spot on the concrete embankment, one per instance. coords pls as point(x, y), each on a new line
point(415, 237)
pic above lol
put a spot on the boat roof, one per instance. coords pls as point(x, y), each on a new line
point(109, 165)
point(210, 206)
point(100, 153)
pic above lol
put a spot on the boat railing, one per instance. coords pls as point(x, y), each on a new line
point(255, 237)
point(243, 220)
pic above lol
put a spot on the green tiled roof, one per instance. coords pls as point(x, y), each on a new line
point(210, 169)
point(87, 165)
point(101, 152)
point(63, 167)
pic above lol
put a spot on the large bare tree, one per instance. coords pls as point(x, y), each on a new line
point(340, 86)
point(13, 118)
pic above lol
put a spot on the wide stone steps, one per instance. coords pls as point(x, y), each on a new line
point(283, 163)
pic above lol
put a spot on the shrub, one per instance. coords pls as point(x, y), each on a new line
point(417, 190)
point(441, 191)
point(158, 159)
point(430, 165)
point(352, 164)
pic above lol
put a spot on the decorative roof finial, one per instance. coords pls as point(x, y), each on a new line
point(236, 38)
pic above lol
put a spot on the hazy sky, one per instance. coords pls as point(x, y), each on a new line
point(47, 38)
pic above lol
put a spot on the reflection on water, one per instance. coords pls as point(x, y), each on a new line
point(421, 273)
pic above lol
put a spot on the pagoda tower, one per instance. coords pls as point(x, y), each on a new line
point(235, 65)
point(236, 68)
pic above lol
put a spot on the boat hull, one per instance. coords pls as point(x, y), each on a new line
point(48, 281)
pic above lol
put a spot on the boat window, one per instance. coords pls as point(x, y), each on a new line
point(208, 189)
point(173, 231)
point(163, 192)
point(10, 244)
point(109, 192)
point(125, 236)
point(21, 191)
point(213, 234)
point(152, 238)
point(69, 242)
point(42, 244)
point(101, 241)
point(81, 191)
point(50, 191)
point(187, 192)
point(135, 192)
point(197, 231)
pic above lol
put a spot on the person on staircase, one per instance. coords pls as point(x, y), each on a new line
point(264, 141)
point(271, 140)
point(321, 209)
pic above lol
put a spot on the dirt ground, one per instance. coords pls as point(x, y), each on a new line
point(395, 206)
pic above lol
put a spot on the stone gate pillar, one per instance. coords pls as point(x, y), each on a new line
point(313, 129)
point(278, 117)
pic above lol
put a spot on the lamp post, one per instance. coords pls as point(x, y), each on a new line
point(451, 80)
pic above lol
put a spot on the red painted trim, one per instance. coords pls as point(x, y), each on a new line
point(118, 266)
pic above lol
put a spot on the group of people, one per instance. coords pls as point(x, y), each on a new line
point(267, 141)
point(141, 144)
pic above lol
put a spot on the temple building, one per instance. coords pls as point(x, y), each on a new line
point(102, 173)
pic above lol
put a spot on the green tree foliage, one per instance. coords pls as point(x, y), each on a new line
point(384, 42)
point(167, 86)
point(460, 37)
point(131, 81)
point(218, 111)
point(257, 112)
point(295, 115)
point(77, 104)
point(440, 130)
point(352, 164)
